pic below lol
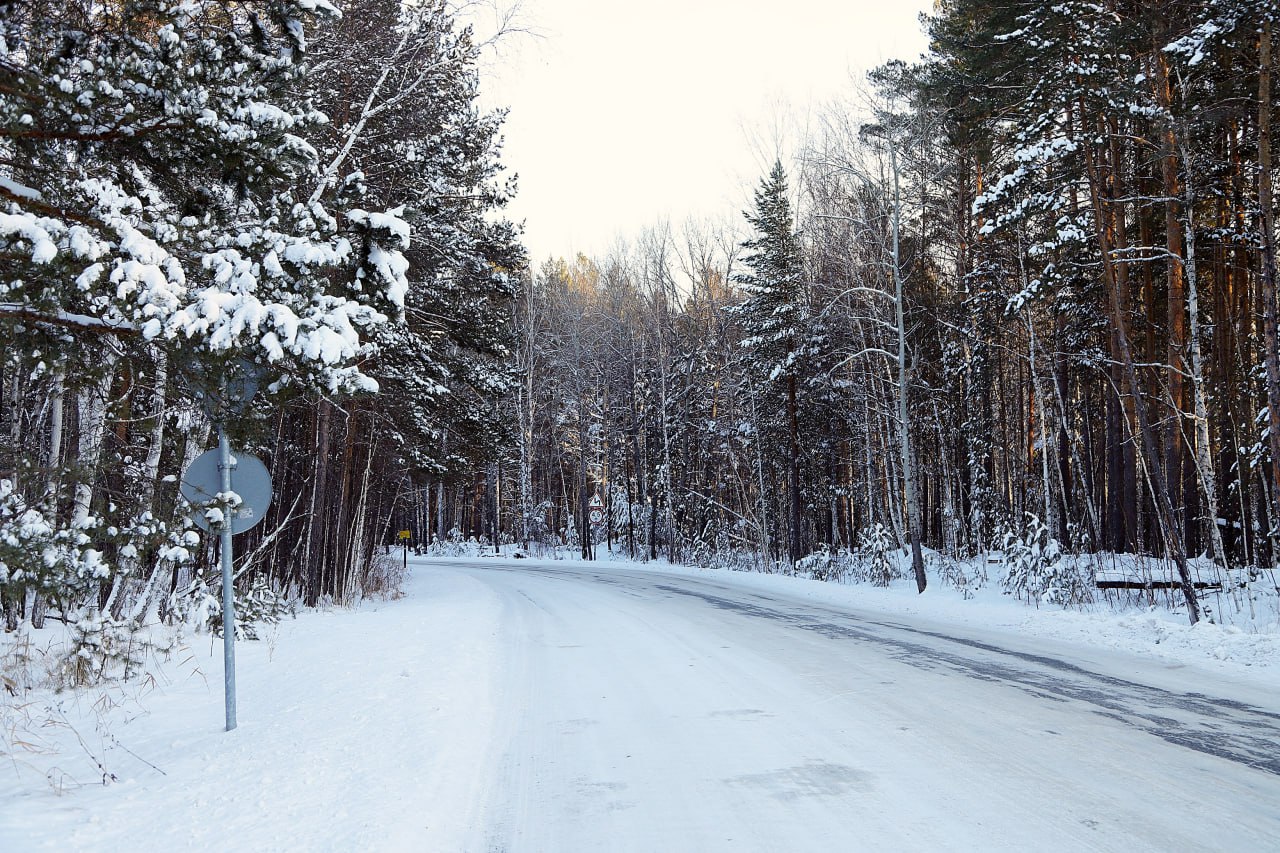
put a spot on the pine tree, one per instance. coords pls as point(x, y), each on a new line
point(400, 83)
point(442, 369)
point(155, 225)
point(775, 317)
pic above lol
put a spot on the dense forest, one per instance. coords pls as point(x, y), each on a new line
point(1024, 287)
point(200, 195)
point(1020, 292)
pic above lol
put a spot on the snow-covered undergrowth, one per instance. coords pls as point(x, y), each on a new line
point(1240, 630)
point(59, 696)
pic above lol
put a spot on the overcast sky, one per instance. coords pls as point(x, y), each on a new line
point(624, 114)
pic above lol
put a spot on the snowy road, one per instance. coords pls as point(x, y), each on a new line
point(645, 711)
point(511, 706)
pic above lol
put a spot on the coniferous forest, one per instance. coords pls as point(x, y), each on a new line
point(200, 193)
point(1020, 293)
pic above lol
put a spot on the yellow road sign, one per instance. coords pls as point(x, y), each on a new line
point(406, 534)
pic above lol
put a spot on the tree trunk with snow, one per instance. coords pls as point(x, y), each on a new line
point(904, 383)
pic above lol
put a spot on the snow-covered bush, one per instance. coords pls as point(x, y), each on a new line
point(965, 577)
point(535, 523)
point(194, 606)
point(24, 665)
point(261, 605)
point(875, 555)
point(385, 577)
point(455, 545)
point(102, 649)
point(1036, 569)
point(39, 552)
point(710, 548)
point(826, 565)
point(198, 607)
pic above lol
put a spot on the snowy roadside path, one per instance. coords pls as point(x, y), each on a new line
point(359, 730)
point(646, 711)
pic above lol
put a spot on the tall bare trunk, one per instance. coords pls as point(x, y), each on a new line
point(1271, 355)
point(584, 512)
point(793, 473)
point(1203, 456)
point(904, 385)
point(53, 467)
point(1116, 281)
point(442, 529)
point(314, 552)
point(148, 477)
point(92, 414)
point(765, 545)
point(1177, 299)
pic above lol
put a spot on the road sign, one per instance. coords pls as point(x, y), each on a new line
point(249, 479)
point(216, 472)
point(406, 534)
point(224, 391)
point(597, 515)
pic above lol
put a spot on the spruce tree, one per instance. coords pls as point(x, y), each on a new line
point(775, 318)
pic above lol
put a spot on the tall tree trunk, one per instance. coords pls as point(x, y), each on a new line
point(667, 496)
point(53, 466)
point(1176, 304)
point(584, 512)
point(904, 385)
point(795, 548)
point(1116, 280)
point(442, 528)
point(1270, 313)
point(313, 555)
point(92, 416)
point(525, 433)
point(1203, 457)
point(765, 544)
point(149, 476)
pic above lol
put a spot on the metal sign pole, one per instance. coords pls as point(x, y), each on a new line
point(228, 588)
point(210, 474)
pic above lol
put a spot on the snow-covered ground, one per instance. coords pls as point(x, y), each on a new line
point(527, 706)
point(357, 731)
point(1158, 631)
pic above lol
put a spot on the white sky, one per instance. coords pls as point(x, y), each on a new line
point(624, 114)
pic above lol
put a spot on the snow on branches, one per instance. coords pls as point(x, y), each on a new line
point(165, 142)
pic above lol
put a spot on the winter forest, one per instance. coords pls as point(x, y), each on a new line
point(1018, 296)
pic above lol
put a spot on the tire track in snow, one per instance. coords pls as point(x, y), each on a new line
point(1223, 728)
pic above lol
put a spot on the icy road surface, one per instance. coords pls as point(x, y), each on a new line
point(643, 711)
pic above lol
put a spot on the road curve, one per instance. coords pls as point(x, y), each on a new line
point(653, 711)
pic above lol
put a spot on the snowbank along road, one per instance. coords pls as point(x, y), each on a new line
point(645, 711)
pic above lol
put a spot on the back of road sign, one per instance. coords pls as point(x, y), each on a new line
point(249, 479)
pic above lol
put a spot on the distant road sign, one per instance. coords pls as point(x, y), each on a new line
point(406, 534)
point(597, 515)
point(249, 479)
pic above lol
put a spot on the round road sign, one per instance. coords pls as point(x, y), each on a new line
point(249, 479)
